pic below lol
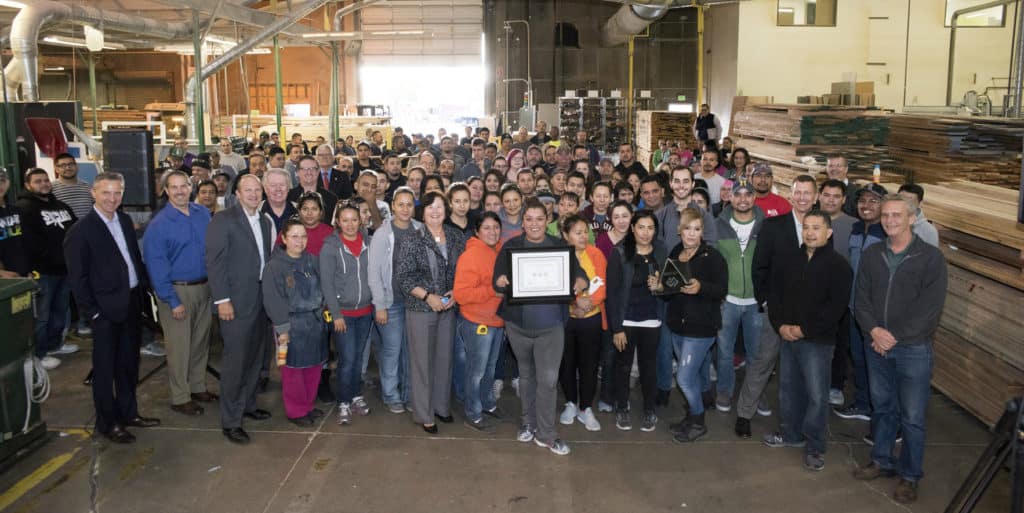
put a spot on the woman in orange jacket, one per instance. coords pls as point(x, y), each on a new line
point(578, 374)
point(479, 325)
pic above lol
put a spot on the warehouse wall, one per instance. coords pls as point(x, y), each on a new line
point(786, 62)
point(721, 39)
point(118, 77)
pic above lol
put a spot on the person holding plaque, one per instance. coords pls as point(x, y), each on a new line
point(634, 314)
point(694, 314)
point(536, 330)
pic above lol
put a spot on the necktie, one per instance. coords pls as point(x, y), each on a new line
point(326, 179)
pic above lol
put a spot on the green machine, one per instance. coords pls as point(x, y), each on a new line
point(21, 426)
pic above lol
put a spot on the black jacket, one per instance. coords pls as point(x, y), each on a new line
point(620, 283)
point(12, 248)
point(98, 275)
point(908, 301)
point(44, 223)
point(776, 244)
point(700, 315)
point(814, 295)
point(341, 184)
point(329, 199)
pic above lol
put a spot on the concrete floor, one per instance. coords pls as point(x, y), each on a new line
point(384, 463)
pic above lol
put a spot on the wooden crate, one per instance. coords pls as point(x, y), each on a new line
point(652, 125)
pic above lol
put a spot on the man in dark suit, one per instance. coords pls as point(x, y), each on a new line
point(335, 180)
point(238, 244)
point(109, 280)
point(307, 172)
point(778, 242)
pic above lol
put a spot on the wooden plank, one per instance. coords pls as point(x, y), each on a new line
point(973, 378)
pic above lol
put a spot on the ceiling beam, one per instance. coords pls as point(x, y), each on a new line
point(235, 12)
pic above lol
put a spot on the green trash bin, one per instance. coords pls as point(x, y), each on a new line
point(16, 328)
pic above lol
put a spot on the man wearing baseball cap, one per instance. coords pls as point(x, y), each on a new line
point(770, 203)
point(866, 232)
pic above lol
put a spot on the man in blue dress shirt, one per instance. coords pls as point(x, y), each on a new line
point(174, 250)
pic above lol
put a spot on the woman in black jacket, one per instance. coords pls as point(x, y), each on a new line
point(694, 316)
point(633, 314)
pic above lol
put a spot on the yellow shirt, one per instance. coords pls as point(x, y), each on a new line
point(588, 267)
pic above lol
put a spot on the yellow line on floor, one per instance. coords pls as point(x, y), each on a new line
point(30, 481)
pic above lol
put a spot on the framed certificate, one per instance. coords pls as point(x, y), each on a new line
point(540, 275)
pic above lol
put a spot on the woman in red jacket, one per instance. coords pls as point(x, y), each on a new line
point(478, 323)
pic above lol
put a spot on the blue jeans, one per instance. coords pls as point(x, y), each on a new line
point(692, 354)
point(900, 388)
point(350, 347)
point(858, 354)
point(663, 367)
point(805, 369)
point(52, 312)
point(459, 361)
point(481, 356)
point(735, 318)
point(393, 357)
point(507, 368)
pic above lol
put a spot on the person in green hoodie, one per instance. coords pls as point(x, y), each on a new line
point(738, 226)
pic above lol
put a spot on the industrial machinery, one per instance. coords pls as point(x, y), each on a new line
point(23, 381)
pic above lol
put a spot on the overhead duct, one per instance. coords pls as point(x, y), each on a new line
point(240, 49)
point(23, 70)
point(628, 21)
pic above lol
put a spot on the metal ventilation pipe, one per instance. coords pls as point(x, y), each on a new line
point(23, 69)
point(630, 20)
point(237, 51)
point(344, 11)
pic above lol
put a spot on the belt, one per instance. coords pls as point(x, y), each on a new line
point(188, 283)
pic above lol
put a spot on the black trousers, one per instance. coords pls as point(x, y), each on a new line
point(840, 357)
point(644, 343)
point(115, 366)
point(245, 340)
point(580, 357)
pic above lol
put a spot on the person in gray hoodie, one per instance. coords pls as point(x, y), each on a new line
point(344, 268)
point(389, 305)
point(914, 194)
point(292, 299)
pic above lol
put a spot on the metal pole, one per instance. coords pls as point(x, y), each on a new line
point(700, 56)
point(1018, 62)
point(335, 128)
point(277, 84)
point(629, 92)
point(952, 41)
point(92, 93)
point(197, 62)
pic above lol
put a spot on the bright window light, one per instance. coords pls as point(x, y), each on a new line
point(442, 96)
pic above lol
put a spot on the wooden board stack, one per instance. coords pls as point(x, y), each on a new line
point(652, 125)
point(813, 124)
point(930, 149)
point(979, 347)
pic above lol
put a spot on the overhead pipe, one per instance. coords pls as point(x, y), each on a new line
point(630, 20)
point(23, 69)
point(344, 11)
point(234, 53)
point(1017, 79)
point(952, 41)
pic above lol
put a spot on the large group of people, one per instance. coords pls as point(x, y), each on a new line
point(312, 258)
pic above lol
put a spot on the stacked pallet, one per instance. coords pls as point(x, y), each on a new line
point(979, 347)
point(930, 149)
point(813, 124)
point(112, 115)
point(652, 125)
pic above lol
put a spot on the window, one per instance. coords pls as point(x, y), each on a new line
point(991, 17)
point(807, 13)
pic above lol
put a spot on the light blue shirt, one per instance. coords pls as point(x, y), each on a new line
point(114, 227)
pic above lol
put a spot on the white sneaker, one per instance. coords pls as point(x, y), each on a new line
point(499, 385)
point(515, 385)
point(64, 349)
point(713, 373)
point(569, 413)
point(49, 362)
point(604, 407)
point(152, 349)
point(835, 397)
point(589, 421)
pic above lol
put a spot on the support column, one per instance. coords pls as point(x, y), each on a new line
point(197, 64)
point(277, 86)
point(92, 93)
point(335, 128)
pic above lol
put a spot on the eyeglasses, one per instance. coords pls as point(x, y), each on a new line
point(308, 168)
point(67, 164)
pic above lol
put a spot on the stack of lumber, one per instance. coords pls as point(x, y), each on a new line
point(979, 347)
point(112, 115)
point(932, 149)
point(813, 124)
point(652, 125)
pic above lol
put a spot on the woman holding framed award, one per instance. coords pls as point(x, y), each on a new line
point(694, 315)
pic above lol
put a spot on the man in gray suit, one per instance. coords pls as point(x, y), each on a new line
point(238, 244)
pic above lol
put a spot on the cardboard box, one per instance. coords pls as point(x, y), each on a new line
point(853, 88)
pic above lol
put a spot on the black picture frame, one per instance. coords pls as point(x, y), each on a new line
point(540, 275)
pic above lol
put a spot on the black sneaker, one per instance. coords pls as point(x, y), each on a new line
point(871, 441)
point(661, 400)
point(495, 414)
point(852, 412)
point(694, 431)
point(743, 427)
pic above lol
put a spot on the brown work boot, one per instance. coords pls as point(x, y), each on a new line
point(190, 408)
point(872, 471)
point(906, 492)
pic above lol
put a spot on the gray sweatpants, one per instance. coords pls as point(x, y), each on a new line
point(430, 335)
point(759, 371)
point(539, 354)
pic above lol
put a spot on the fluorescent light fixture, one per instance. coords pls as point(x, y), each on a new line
point(258, 51)
point(12, 4)
point(54, 68)
point(70, 41)
point(317, 35)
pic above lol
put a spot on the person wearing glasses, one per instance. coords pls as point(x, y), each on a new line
point(308, 172)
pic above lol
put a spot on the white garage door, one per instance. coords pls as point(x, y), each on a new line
point(449, 33)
